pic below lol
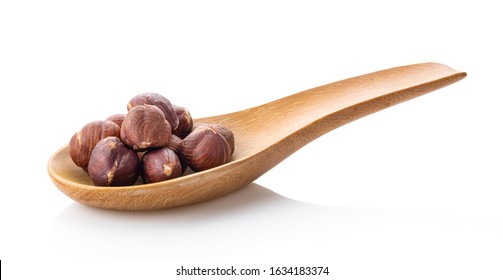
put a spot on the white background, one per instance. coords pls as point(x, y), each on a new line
point(412, 192)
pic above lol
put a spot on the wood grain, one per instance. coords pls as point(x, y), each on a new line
point(265, 135)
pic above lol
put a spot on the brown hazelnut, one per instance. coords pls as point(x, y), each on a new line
point(82, 142)
point(204, 148)
point(160, 102)
point(113, 164)
point(145, 127)
point(160, 165)
point(174, 143)
point(117, 119)
point(224, 131)
point(185, 122)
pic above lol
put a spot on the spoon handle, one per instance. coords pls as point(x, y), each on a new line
point(303, 117)
point(339, 103)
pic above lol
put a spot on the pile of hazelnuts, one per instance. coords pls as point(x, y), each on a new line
point(155, 141)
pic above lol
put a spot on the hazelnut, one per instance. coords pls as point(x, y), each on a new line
point(160, 102)
point(185, 122)
point(117, 119)
point(204, 148)
point(82, 142)
point(160, 165)
point(113, 164)
point(155, 139)
point(145, 127)
point(174, 144)
point(224, 131)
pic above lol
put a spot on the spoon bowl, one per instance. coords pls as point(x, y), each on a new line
point(264, 136)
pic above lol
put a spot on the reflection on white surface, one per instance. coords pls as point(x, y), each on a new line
point(257, 224)
point(219, 227)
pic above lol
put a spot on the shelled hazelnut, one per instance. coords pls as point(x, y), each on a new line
point(205, 147)
point(160, 102)
point(82, 142)
point(174, 144)
point(160, 165)
point(116, 118)
point(185, 122)
point(113, 164)
point(145, 127)
point(222, 130)
point(154, 140)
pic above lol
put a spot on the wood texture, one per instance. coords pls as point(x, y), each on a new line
point(265, 135)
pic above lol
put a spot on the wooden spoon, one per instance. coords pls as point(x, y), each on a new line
point(265, 135)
